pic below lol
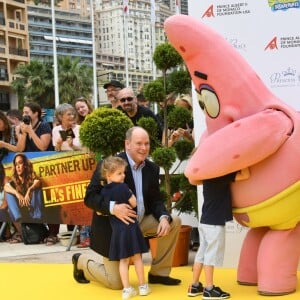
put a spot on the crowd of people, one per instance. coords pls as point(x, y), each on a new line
point(128, 207)
point(25, 131)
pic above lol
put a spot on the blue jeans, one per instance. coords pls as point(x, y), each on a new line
point(85, 232)
point(33, 211)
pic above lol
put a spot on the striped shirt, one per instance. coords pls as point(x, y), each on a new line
point(138, 182)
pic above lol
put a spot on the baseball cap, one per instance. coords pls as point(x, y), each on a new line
point(114, 83)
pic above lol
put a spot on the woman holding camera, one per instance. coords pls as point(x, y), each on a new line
point(65, 136)
point(35, 134)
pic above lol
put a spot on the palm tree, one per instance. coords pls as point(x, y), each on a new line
point(46, 2)
point(75, 79)
point(34, 82)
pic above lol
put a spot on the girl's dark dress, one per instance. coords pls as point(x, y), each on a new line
point(126, 240)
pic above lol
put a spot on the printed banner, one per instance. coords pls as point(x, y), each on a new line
point(61, 179)
point(266, 34)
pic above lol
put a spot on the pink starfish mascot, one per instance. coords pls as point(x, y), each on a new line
point(247, 127)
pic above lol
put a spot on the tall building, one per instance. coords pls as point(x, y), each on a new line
point(184, 7)
point(124, 44)
point(79, 6)
point(132, 36)
point(73, 34)
point(14, 47)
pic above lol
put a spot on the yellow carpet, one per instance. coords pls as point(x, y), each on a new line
point(55, 281)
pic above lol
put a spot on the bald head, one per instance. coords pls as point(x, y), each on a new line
point(137, 144)
point(126, 92)
point(128, 101)
point(135, 130)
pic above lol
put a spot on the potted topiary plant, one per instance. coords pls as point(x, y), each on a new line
point(103, 131)
point(166, 58)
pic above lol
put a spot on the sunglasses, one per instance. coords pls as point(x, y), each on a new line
point(129, 99)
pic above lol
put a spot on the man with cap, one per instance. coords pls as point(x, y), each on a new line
point(112, 88)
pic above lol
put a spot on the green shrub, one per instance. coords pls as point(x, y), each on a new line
point(178, 117)
point(151, 126)
point(103, 131)
point(164, 157)
point(183, 149)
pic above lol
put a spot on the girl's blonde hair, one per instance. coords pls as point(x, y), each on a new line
point(186, 98)
point(111, 164)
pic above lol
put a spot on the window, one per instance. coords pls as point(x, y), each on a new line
point(4, 101)
point(18, 16)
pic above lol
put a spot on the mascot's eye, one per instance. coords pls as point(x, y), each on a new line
point(209, 102)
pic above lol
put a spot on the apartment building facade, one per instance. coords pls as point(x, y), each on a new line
point(14, 47)
point(26, 33)
point(134, 33)
point(73, 34)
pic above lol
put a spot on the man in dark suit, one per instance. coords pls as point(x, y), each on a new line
point(142, 177)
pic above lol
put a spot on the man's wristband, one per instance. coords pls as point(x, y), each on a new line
point(165, 217)
point(111, 207)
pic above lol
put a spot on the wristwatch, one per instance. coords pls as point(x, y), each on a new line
point(165, 217)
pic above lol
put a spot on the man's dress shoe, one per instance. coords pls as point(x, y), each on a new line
point(166, 280)
point(78, 274)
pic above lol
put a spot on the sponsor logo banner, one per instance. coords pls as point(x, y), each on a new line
point(64, 177)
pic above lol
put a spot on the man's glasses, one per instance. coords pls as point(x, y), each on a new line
point(128, 99)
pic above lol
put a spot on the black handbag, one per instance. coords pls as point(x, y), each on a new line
point(34, 233)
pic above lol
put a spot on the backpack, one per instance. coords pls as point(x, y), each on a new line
point(34, 233)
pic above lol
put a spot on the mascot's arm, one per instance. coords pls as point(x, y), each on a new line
point(239, 145)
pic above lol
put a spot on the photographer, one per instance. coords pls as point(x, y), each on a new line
point(35, 134)
point(65, 136)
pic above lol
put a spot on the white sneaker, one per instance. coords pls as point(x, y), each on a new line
point(128, 293)
point(144, 290)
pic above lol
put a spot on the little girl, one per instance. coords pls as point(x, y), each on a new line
point(127, 241)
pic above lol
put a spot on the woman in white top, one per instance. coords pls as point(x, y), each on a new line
point(65, 136)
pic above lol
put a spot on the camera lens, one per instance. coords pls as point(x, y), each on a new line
point(26, 120)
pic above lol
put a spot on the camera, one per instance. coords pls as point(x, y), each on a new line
point(26, 119)
point(67, 133)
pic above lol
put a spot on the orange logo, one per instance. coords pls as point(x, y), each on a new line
point(272, 44)
point(209, 12)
